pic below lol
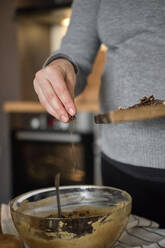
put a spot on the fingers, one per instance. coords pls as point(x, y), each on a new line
point(71, 79)
point(63, 92)
point(50, 101)
point(42, 100)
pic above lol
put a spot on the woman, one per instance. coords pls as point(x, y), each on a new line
point(133, 154)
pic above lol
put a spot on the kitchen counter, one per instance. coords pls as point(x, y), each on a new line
point(23, 107)
point(36, 107)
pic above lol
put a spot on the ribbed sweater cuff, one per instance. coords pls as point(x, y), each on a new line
point(61, 56)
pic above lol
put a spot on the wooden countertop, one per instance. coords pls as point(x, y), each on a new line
point(18, 107)
point(36, 107)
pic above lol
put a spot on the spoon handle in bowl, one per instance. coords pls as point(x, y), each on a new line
point(57, 183)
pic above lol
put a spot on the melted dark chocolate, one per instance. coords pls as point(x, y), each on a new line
point(144, 101)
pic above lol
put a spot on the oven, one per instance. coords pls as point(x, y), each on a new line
point(42, 146)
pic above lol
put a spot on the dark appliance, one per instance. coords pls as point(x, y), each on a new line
point(42, 146)
point(24, 6)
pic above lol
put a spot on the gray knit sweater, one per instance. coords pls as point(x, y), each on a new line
point(134, 32)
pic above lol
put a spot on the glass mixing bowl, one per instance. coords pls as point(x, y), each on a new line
point(92, 216)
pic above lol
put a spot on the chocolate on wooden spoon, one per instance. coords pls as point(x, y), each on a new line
point(148, 108)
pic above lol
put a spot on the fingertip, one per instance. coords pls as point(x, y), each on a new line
point(64, 118)
point(71, 111)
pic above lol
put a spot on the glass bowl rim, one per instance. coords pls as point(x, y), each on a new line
point(31, 193)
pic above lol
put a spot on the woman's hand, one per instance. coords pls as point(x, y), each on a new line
point(54, 86)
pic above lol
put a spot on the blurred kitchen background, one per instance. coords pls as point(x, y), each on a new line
point(33, 146)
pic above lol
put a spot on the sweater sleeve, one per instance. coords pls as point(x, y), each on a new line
point(81, 42)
